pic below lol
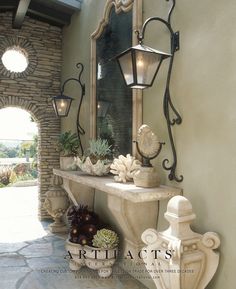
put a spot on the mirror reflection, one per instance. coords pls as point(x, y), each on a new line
point(113, 97)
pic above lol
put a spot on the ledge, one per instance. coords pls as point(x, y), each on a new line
point(126, 191)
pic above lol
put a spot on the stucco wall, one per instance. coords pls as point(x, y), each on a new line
point(33, 89)
point(203, 89)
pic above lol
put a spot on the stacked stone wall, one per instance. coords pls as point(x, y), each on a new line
point(33, 89)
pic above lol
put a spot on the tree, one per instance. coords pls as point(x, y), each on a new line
point(30, 147)
point(8, 152)
point(3, 154)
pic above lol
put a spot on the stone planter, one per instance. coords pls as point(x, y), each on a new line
point(94, 258)
point(67, 163)
point(76, 254)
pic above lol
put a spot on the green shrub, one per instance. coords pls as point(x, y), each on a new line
point(68, 144)
point(5, 174)
point(2, 185)
point(25, 177)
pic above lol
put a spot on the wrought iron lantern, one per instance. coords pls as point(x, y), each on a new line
point(62, 102)
point(139, 66)
point(61, 105)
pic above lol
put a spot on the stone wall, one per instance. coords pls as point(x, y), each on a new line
point(33, 89)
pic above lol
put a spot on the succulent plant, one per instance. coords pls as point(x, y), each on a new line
point(80, 215)
point(106, 239)
point(83, 224)
point(89, 229)
point(84, 240)
point(86, 229)
point(99, 149)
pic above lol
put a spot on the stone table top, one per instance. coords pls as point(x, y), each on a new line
point(126, 191)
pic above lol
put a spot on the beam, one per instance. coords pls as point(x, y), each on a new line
point(46, 14)
point(20, 13)
point(74, 4)
point(6, 5)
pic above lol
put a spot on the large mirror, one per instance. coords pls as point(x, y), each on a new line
point(116, 109)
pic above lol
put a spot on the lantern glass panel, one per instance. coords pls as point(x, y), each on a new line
point(63, 106)
point(127, 67)
point(147, 64)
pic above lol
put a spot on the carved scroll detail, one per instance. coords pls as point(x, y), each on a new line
point(211, 240)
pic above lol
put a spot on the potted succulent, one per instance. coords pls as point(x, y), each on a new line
point(68, 145)
point(102, 255)
point(90, 243)
point(98, 158)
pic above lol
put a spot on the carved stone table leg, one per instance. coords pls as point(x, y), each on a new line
point(79, 194)
point(191, 261)
point(133, 219)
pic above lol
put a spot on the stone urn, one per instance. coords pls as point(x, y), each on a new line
point(56, 203)
point(94, 258)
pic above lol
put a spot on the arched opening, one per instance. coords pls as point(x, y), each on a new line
point(19, 191)
point(48, 133)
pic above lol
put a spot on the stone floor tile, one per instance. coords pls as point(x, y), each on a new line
point(59, 248)
point(47, 262)
point(11, 247)
point(11, 260)
point(37, 250)
point(9, 277)
point(53, 238)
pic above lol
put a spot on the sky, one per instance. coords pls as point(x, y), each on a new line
point(15, 124)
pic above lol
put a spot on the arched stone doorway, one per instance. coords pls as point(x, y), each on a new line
point(48, 132)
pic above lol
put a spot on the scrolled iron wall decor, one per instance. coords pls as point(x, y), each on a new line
point(62, 103)
point(136, 64)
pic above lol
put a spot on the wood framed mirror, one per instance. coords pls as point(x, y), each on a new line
point(116, 110)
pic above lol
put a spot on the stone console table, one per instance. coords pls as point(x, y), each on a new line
point(134, 208)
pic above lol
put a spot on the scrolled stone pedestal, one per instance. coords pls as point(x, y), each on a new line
point(56, 204)
point(179, 258)
point(146, 177)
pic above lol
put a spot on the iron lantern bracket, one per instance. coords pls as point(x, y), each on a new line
point(80, 130)
point(176, 41)
point(168, 107)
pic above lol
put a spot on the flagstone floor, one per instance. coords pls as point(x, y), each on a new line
point(33, 258)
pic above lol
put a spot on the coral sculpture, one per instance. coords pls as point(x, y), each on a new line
point(124, 168)
point(106, 239)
